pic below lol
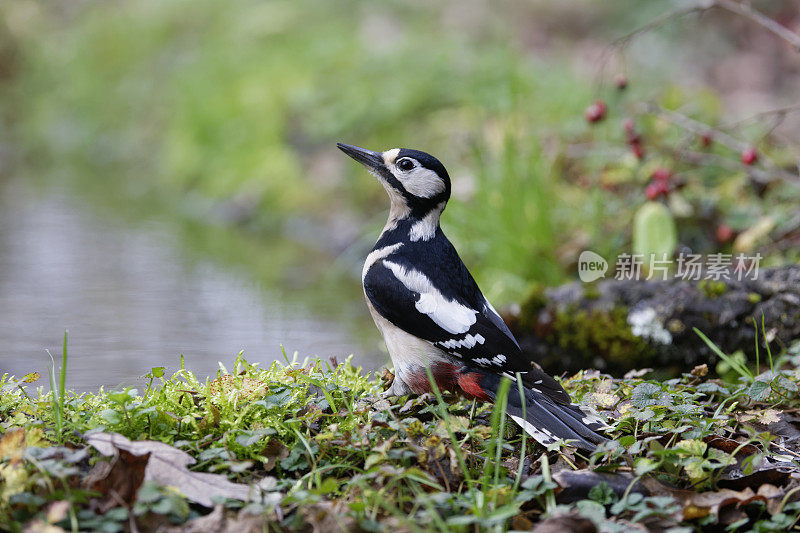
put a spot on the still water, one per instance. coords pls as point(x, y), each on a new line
point(132, 299)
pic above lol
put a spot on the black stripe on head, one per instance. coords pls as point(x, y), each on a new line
point(427, 161)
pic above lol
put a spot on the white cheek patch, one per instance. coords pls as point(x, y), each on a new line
point(447, 314)
point(421, 182)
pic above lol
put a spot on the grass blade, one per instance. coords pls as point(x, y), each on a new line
point(738, 366)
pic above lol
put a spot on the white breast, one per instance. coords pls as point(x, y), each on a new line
point(406, 350)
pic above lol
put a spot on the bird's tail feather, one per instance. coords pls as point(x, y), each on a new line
point(549, 421)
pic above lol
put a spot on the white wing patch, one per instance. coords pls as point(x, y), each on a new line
point(447, 314)
point(467, 342)
point(497, 360)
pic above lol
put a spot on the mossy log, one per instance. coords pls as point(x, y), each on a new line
point(618, 325)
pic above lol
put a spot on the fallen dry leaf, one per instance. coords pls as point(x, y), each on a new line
point(117, 480)
point(566, 522)
point(12, 445)
point(729, 445)
point(725, 504)
point(169, 466)
point(221, 520)
point(733, 477)
point(274, 451)
point(329, 517)
point(57, 511)
point(40, 526)
point(761, 416)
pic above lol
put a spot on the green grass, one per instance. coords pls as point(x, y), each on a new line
point(439, 464)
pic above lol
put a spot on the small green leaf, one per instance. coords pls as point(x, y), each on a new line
point(787, 384)
point(645, 465)
point(692, 447)
point(373, 459)
point(646, 394)
point(593, 510)
point(330, 484)
point(111, 416)
point(248, 438)
point(602, 493)
point(758, 390)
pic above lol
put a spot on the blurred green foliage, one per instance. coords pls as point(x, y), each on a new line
point(241, 101)
point(239, 104)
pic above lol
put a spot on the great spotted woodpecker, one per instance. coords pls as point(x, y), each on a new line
point(432, 314)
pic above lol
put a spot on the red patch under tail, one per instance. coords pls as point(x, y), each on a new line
point(470, 384)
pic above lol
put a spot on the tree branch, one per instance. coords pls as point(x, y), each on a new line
point(743, 9)
point(723, 138)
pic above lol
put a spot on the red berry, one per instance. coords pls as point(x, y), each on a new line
point(724, 233)
point(749, 156)
point(705, 139)
point(662, 174)
point(621, 81)
point(636, 148)
point(595, 112)
point(655, 189)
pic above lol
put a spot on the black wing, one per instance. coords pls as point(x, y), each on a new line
point(486, 343)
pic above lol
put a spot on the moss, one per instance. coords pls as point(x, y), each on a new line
point(591, 291)
point(595, 333)
point(712, 289)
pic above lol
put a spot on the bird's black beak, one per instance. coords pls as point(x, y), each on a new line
point(368, 158)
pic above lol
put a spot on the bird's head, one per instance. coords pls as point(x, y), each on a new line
point(417, 182)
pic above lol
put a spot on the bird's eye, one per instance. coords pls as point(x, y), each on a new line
point(405, 164)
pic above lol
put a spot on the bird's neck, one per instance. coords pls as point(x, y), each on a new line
point(406, 224)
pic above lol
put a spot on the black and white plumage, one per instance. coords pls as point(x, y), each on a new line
point(431, 312)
